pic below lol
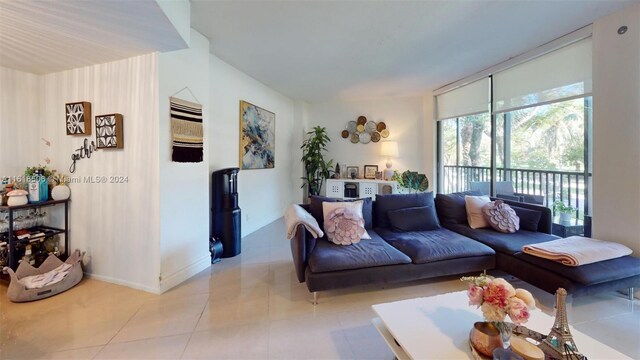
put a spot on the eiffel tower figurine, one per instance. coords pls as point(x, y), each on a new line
point(559, 343)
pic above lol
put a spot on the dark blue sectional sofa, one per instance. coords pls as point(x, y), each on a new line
point(453, 248)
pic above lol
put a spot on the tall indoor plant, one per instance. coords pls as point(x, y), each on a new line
point(316, 168)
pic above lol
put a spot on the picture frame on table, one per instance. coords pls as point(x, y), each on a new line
point(370, 171)
point(353, 172)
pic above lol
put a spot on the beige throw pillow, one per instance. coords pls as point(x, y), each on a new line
point(474, 205)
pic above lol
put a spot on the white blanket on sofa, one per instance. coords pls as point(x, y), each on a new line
point(577, 250)
point(296, 215)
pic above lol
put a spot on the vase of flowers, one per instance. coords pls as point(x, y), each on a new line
point(497, 299)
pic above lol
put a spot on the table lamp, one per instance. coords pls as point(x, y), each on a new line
point(390, 150)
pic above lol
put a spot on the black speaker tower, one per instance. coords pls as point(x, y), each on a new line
point(225, 212)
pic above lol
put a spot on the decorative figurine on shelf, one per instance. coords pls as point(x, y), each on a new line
point(61, 191)
point(559, 343)
point(17, 197)
point(336, 175)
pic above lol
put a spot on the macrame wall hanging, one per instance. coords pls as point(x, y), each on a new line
point(186, 129)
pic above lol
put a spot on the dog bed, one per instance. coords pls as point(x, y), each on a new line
point(18, 291)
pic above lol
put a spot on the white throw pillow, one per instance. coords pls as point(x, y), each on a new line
point(474, 205)
point(354, 206)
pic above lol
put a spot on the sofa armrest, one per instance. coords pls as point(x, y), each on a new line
point(301, 246)
point(546, 219)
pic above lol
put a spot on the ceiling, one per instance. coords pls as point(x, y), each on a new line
point(321, 51)
point(48, 36)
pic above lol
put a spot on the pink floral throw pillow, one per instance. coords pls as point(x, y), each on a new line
point(343, 226)
point(501, 217)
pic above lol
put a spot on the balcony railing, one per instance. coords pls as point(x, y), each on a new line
point(567, 186)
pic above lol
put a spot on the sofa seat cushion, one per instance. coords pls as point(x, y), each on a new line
point(500, 242)
point(590, 274)
point(327, 256)
point(434, 245)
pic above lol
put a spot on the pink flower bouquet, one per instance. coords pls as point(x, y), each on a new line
point(497, 299)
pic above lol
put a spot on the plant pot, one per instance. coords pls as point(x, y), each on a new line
point(60, 192)
point(485, 337)
point(565, 218)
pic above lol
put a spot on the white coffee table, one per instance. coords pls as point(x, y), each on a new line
point(437, 327)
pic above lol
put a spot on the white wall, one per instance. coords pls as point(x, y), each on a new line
point(616, 128)
point(429, 135)
point(263, 194)
point(117, 224)
point(19, 122)
point(404, 118)
point(184, 187)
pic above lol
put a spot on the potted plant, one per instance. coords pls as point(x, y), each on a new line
point(411, 180)
point(316, 168)
point(565, 211)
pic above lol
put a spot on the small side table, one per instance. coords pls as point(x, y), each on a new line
point(567, 229)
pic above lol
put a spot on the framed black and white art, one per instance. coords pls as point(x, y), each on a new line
point(78, 118)
point(109, 131)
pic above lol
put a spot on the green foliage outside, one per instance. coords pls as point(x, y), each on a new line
point(547, 137)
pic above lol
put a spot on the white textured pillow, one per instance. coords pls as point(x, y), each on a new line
point(474, 205)
point(354, 206)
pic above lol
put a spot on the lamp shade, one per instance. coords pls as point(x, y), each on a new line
point(389, 149)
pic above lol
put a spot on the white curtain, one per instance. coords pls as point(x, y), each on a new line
point(469, 99)
point(562, 74)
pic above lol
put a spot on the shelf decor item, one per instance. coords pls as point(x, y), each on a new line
point(78, 118)
point(186, 129)
point(257, 137)
point(17, 197)
point(389, 150)
point(61, 191)
point(353, 172)
point(109, 131)
point(370, 171)
point(364, 131)
point(497, 299)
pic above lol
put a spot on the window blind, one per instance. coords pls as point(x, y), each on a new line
point(469, 99)
point(559, 75)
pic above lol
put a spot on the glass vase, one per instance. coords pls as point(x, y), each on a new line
point(505, 333)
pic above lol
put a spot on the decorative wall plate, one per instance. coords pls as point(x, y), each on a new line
point(351, 126)
point(381, 126)
point(365, 137)
point(370, 126)
point(345, 134)
point(375, 137)
point(384, 133)
point(355, 138)
point(362, 120)
point(360, 128)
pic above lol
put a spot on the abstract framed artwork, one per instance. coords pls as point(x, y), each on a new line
point(78, 118)
point(257, 137)
point(109, 131)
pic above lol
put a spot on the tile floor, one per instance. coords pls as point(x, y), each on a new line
point(250, 306)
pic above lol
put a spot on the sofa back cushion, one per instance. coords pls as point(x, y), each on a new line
point(315, 208)
point(386, 203)
point(529, 219)
point(419, 218)
point(451, 207)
